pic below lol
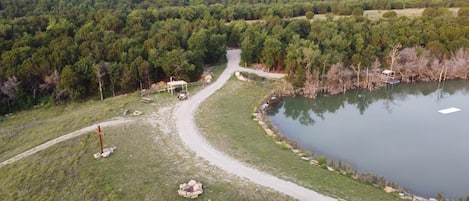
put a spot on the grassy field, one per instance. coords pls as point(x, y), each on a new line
point(148, 164)
point(226, 120)
point(145, 166)
point(24, 130)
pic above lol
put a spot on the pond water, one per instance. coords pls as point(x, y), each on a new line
point(396, 132)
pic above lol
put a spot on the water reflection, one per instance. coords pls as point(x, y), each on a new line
point(305, 110)
point(395, 132)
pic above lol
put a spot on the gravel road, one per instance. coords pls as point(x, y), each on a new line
point(190, 135)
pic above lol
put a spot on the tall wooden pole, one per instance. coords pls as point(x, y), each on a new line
point(98, 131)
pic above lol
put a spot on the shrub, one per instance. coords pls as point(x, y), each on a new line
point(309, 15)
point(322, 161)
point(358, 11)
point(463, 12)
point(389, 14)
point(436, 12)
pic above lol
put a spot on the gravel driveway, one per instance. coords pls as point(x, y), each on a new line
point(190, 135)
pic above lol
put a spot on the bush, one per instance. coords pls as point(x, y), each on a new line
point(309, 15)
point(390, 14)
point(358, 11)
point(322, 161)
point(463, 12)
point(436, 12)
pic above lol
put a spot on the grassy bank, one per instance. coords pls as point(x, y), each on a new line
point(226, 120)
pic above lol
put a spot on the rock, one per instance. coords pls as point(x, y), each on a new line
point(269, 132)
point(313, 162)
point(330, 169)
point(146, 100)
point(305, 158)
point(106, 153)
point(137, 113)
point(288, 146)
point(192, 189)
point(389, 189)
point(97, 155)
point(240, 76)
point(295, 151)
point(125, 112)
point(261, 123)
point(417, 198)
point(432, 199)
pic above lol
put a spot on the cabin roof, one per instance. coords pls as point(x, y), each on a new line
point(177, 83)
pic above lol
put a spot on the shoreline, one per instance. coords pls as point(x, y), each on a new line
point(260, 116)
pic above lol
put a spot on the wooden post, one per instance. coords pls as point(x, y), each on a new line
point(100, 134)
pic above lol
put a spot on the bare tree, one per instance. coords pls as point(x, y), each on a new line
point(394, 54)
point(456, 66)
point(50, 82)
point(374, 77)
point(408, 68)
point(99, 75)
point(8, 88)
point(312, 86)
point(339, 79)
point(357, 70)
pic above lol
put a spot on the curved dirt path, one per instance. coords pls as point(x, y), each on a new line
point(184, 117)
point(62, 138)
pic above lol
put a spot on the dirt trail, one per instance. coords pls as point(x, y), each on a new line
point(63, 138)
point(187, 130)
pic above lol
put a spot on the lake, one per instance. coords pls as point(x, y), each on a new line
point(395, 132)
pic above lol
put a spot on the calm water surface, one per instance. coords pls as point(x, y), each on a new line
point(395, 132)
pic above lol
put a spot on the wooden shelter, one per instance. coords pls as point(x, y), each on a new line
point(177, 84)
point(389, 77)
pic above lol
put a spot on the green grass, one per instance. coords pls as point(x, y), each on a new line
point(226, 120)
point(27, 129)
point(141, 168)
point(148, 164)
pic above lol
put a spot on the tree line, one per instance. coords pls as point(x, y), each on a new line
point(53, 58)
point(335, 55)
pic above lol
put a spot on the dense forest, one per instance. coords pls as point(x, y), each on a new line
point(53, 51)
point(336, 55)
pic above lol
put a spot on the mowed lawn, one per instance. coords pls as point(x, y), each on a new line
point(227, 122)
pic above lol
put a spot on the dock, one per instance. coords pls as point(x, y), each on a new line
point(392, 81)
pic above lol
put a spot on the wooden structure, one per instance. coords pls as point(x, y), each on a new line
point(100, 134)
point(177, 84)
point(388, 76)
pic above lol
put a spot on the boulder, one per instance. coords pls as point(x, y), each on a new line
point(106, 153)
point(191, 189)
point(389, 189)
point(269, 132)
